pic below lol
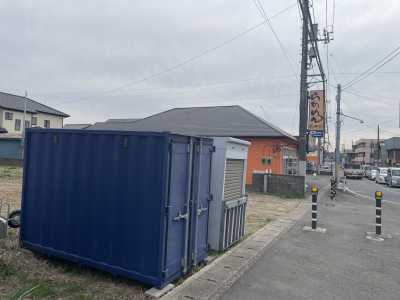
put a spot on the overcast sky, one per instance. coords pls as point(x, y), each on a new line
point(103, 59)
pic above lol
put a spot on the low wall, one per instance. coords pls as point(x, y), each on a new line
point(284, 185)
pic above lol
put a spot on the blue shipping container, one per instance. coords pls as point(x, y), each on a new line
point(131, 203)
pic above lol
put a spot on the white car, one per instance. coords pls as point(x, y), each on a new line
point(381, 175)
point(372, 174)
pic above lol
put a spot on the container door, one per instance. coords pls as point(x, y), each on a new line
point(178, 213)
point(201, 197)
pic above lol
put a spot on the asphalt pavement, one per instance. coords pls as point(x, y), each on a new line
point(367, 188)
point(339, 264)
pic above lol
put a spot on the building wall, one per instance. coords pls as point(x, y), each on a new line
point(365, 150)
point(55, 121)
point(263, 149)
point(10, 149)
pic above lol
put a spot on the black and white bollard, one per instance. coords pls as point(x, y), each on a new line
point(314, 212)
point(333, 188)
point(378, 235)
point(378, 209)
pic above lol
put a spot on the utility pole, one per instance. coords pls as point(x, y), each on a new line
point(378, 154)
point(303, 107)
point(24, 117)
point(338, 123)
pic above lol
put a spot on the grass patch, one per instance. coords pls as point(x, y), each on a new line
point(6, 271)
point(10, 172)
point(256, 222)
point(46, 289)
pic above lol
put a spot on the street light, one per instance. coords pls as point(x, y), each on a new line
point(351, 117)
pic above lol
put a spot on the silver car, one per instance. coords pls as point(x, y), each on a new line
point(393, 177)
point(381, 175)
point(372, 174)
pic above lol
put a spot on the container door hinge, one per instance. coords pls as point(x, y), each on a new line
point(164, 272)
point(210, 197)
point(167, 209)
point(212, 149)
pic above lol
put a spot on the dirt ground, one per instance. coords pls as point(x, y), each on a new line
point(33, 276)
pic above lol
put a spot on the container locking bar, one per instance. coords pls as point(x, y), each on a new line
point(181, 216)
point(201, 209)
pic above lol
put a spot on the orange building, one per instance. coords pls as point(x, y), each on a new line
point(272, 155)
point(271, 150)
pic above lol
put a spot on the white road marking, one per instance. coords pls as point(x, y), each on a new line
point(369, 197)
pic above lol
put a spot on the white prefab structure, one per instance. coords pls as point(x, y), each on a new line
point(227, 208)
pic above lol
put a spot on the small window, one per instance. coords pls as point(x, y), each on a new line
point(17, 124)
point(34, 121)
point(8, 115)
point(46, 123)
point(27, 124)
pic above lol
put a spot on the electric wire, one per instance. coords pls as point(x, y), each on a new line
point(263, 14)
point(372, 69)
point(192, 58)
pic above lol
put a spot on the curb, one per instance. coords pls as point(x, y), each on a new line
point(214, 280)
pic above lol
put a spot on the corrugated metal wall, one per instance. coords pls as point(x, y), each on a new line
point(107, 200)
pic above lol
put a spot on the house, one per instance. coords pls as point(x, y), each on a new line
point(106, 124)
point(76, 126)
point(272, 149)
point(11, 118)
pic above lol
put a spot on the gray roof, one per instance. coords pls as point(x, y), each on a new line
point(15, 102)
point(121, 120)
point(76, 126)
point(232, 121)
point(112, 124)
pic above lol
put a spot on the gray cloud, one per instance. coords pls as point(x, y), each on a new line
point(68, 53)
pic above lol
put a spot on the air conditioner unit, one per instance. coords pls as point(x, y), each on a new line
point(227, 213)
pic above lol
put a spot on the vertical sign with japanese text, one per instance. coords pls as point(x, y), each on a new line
point(316, 115)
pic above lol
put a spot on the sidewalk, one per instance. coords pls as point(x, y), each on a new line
point(340, 264)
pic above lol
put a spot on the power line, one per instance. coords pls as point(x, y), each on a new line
point(195, 57)
point(190, 88)
point(263, 14)
point(375, 67)
point(376, 73)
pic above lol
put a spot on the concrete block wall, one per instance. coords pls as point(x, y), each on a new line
point(285, 185)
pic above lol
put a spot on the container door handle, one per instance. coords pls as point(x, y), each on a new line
point(180, 217)
point(201, 209)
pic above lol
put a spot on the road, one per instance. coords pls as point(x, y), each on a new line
point(368, 188)
point(339, 264)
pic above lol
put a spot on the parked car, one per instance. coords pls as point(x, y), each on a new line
point(353, 171)
point(367, 170)
point(381, 175)
point(393, 177)
point(372, 174)
point(326, 169)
